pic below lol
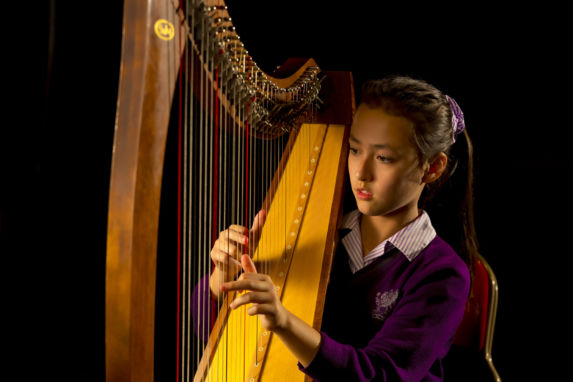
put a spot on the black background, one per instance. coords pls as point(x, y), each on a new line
point(504, 66)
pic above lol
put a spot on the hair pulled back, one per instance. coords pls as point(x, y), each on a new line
point(449, 200)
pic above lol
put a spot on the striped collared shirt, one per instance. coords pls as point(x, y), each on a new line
point(410, 240)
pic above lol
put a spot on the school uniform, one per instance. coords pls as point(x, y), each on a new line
point(390, 315)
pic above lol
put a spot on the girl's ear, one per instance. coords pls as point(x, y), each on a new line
point(436, 168)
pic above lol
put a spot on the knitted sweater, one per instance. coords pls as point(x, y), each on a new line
point(393, 320)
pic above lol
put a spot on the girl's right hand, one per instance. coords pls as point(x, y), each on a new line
point(228, 249)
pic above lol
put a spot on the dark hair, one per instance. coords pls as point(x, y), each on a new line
point(429, 110)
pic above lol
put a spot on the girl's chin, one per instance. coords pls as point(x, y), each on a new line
point(367, 208)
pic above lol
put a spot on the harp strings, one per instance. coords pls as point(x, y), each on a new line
point(234, 121)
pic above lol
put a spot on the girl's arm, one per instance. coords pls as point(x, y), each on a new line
point(413, 338)
point(299, 337)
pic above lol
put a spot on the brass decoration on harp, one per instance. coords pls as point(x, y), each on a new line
point(164, 29)
point(248, 140)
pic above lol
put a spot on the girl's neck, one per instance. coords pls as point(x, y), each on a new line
point(376, 229)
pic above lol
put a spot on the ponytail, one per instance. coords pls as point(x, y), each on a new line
point(453, 199)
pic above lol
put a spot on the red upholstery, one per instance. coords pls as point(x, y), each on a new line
point(472, 331)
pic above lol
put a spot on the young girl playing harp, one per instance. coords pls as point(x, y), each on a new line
point(397, 290)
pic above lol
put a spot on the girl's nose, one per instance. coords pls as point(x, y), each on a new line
point(363, 171)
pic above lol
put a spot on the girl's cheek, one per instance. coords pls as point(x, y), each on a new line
point(352, 167)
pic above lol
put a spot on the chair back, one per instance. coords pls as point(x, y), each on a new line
point(474, 336)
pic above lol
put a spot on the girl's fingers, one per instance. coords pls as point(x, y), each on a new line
point(228, 247)
point(238, 228)
point(259, 283)
point(223, 258)
point(251, 298)
point(231, 242)
point(248, 264)
point(236, 238)
point(258, 222)
point(235, 233)
point(256, 229)
point(265, 309)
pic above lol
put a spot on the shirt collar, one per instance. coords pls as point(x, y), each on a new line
point(410, 240)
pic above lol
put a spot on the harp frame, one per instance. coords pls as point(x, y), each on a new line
point(145, 95)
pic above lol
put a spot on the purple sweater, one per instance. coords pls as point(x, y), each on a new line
point(393, 320)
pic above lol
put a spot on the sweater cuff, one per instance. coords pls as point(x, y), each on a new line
point(330, 356)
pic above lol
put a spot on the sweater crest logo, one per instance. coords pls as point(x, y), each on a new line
point(384, 303)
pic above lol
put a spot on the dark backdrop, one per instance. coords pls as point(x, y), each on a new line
point(502, 64)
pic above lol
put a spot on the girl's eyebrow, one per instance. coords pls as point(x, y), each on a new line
point(354, 139)
point(378, 146)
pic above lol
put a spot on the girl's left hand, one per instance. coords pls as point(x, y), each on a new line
point(262, 295)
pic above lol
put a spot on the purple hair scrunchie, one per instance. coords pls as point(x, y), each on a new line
point(458, 123)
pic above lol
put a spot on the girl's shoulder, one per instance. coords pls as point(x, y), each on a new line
point(440, 257)
point(440, 246)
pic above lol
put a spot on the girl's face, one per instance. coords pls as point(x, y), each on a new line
point(383, 165)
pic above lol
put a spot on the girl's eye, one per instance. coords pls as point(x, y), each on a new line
point(384, 159)
point(353, 150)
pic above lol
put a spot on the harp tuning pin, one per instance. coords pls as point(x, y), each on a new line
point(219, 7)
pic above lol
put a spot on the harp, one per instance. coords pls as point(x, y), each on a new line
point(185, 70)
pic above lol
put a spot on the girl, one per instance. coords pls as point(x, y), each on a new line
point(397, 291)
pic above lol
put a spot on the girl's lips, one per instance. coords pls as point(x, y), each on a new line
point(363, 194)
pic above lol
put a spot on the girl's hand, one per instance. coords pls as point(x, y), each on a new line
point(299, 337)
point(229, 247)
point(262, 295)
point(227, 250)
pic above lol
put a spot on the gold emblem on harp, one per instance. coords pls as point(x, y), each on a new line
point(164, 29)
